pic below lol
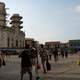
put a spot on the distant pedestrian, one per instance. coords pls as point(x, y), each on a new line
point(62, 53)
point(0, 59)
point(50, 51)
point(44, 57)
point(55, 53)
point(66, 52)
point(78, 58)
point(26, 64)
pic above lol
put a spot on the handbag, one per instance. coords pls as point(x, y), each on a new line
point(38, 66)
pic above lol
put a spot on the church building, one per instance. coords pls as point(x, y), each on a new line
point(11, 36)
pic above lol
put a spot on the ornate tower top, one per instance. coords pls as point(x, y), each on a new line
point(16, 21)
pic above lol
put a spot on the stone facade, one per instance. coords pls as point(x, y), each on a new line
point(11, 37)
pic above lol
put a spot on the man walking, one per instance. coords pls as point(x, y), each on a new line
point(26, 64)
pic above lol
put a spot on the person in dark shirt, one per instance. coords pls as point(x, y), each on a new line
point(62, 53)
point(26, 64)
point(55, 53)
point(44, 57)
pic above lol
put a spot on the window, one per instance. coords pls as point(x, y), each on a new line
point(12, 43)
point(16, 43)
point(8, 42)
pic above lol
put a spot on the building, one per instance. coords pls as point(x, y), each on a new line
point(31, 42)
point(63, 45)
point(11, 37)
point(74, 45)
point(53, 44)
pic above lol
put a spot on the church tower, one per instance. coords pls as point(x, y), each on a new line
point(2, 15)
point(16, 27)
point(16, 22)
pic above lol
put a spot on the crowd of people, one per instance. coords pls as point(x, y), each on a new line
point(31, 55)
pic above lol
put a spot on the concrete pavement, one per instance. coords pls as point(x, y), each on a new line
point(64, 69)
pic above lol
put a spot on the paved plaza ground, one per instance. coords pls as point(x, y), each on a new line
point(64, 69)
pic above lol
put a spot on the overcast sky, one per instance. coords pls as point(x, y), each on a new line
point(48, 20)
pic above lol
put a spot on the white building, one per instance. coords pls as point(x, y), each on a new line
point(11, 37)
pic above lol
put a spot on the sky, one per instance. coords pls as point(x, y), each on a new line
point(48, 20)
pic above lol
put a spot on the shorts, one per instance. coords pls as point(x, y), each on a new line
point(26, 69)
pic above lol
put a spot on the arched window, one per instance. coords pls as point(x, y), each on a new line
point(20, 43)
point(16, 43)
point(12, 43)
